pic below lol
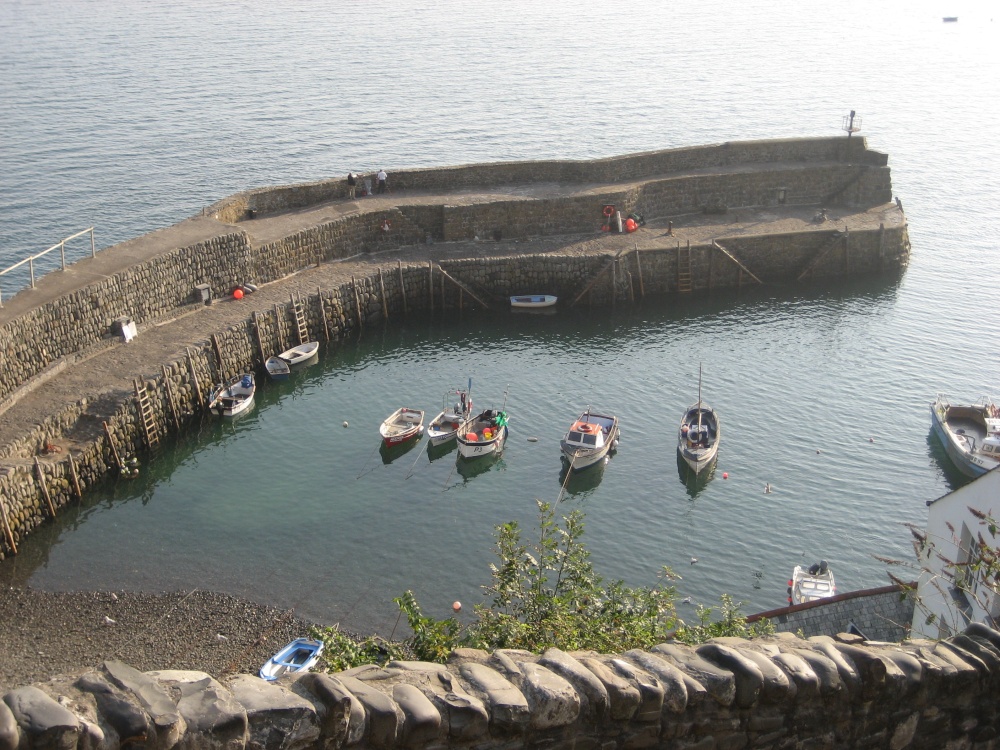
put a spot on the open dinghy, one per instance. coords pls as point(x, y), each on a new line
point(300, 655)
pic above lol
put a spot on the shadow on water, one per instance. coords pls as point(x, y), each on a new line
point(695, 483)
point(581, 482)
point(390, 453)
point(952, 476)
point(469, 468)
point(435, 452)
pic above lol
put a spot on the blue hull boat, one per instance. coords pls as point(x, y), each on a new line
point(300, 655)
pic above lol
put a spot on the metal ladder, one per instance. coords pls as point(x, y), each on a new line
point(146, 414)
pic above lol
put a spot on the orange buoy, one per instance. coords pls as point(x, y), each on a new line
point(725, 475)
point(237, 294)
point(457, 606)
point(471, 437)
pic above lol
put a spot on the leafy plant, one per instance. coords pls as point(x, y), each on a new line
point(343, 651)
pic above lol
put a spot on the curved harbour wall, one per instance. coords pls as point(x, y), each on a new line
point(727, 694)
point(156, 278)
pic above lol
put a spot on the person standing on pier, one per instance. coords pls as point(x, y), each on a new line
point(351, 184)
point(382, 177)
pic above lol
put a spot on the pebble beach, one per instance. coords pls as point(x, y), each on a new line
point(44, 634)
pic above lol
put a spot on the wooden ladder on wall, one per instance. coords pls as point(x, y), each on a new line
point(300, 320)
point(146, 415)
point(684, 268)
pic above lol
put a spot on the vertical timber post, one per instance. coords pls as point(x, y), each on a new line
point(402, 286)
point(322, 313)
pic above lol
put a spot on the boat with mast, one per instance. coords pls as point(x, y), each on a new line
point(699, 434)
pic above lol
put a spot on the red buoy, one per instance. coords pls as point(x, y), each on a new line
point(237, 294)
point(725, 475)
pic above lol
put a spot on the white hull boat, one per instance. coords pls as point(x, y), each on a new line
point(970, 434)
point(699, 434)
point(277, 368)
point(234, 397)
point(812, 583)
point(300, 655)
point(402, 425)
point(589, 440)
point(302, 354)
point(483, 434)
point(533, 300)
point(444, 427)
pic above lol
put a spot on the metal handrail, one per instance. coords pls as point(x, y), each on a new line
point(30, 260)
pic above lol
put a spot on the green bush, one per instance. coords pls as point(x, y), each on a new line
point(550, 596)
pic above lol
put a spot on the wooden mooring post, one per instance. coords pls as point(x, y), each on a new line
point(260, 339)
point(357, 302)
point(218, 354)
point(322, 313)
point(6, 526)
point(194, 379)
point(170, 399)
point(279, 334)
point(430, 283)
point(460, 285)
point(74, 476)
point(42, 486)
point(381, 286)
point(114, 448)
point(402, 286)
point(638, 268)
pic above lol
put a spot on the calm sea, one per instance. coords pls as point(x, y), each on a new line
point(130, 116)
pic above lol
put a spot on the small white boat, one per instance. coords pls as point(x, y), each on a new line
point(302, 354)
point(483, 434)
point(402, 425)
point(444, 427)
point(277, 368)
point(699, 434)
point(970, 433)
point(808, 585)
point(300, 655)
point(234, 397)
point(533, 300)
point(589, 440)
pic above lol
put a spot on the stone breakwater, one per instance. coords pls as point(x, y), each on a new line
point(729, 693)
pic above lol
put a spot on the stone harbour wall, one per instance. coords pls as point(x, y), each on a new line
point(727, 694)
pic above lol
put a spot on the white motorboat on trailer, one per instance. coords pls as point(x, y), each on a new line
point(808, 585)
point(589, 440)
point(970, 433)
point(233, 397)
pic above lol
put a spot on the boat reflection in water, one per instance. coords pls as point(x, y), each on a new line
point(390, 453)
point(581, 482)
point(434, 452)
point(695, 482)
point(468, 469)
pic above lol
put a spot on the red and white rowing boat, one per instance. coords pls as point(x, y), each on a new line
point(402, 425)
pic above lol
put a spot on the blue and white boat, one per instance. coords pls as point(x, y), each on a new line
point(970, 433)
point(300, 655)
point(533, 300)
point(235, 397)
point(277, 368)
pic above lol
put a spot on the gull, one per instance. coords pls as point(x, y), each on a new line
point(871, 440)
point(109, 621)
point(694, 560)
point(767, 488)
point(686, 600)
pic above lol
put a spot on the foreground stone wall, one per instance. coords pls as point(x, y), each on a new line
point(729, 693)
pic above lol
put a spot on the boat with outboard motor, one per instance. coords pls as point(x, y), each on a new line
point(444, 427)
point(812, 583)
point(970, 433)
point(233, 397)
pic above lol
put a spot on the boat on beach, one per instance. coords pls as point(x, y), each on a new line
point(533, 300)
point(444, 427)
point(699, 434)
point(300, 655)
point(402, 425)
point(812, 583)
point(970, 433)
point(277, 368)
point(589, 440)
point(234, 397)
point(302, 354)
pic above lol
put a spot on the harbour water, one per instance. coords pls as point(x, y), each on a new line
point(131, 117)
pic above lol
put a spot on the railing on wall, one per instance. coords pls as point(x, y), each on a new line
point(30, 260)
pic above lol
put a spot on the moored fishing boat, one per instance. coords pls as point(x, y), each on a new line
point(812, 583)
point(589, 440)
point(300, 655)
point(699, 434)
point(402, 425)
point(233, 397)
point(970, 433)
point(444, 427)
point(483, 434)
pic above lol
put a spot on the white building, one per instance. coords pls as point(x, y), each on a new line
point(949, 597)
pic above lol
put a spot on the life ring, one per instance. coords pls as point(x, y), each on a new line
point(587, 427)
point(609, 211)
